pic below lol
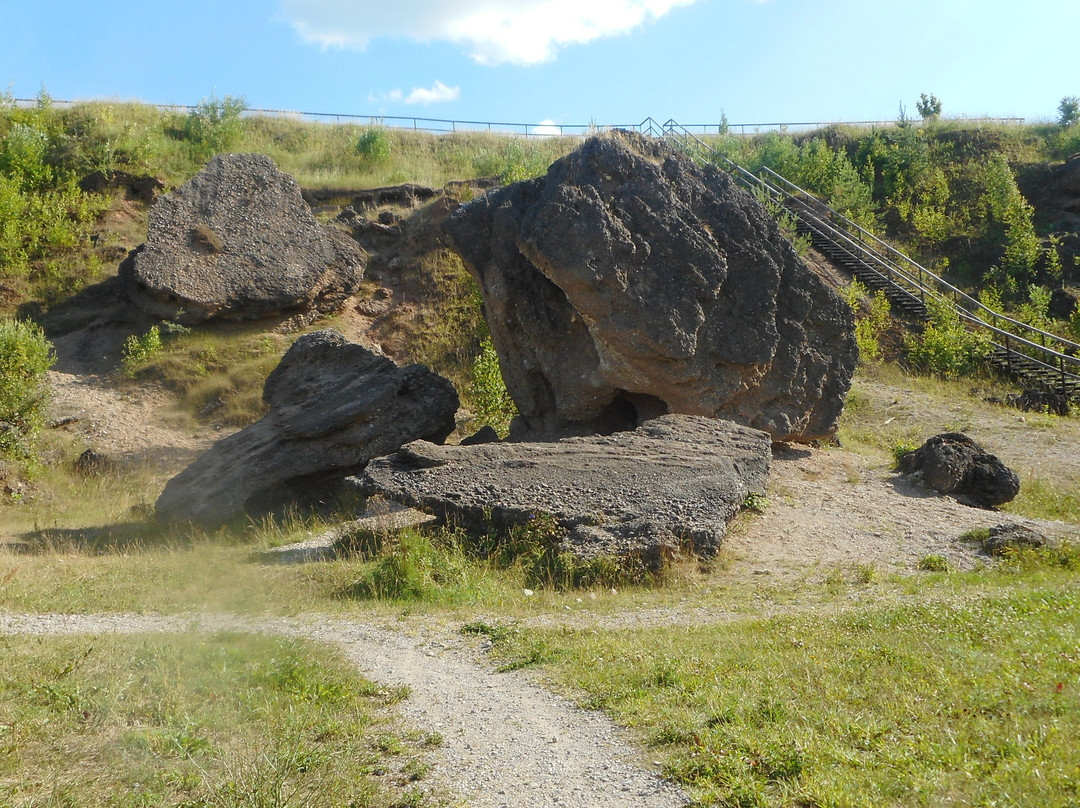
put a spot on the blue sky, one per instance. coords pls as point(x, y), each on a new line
point(567, 61)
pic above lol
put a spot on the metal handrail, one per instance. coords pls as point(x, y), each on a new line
point(972, 304)
point(897, 266)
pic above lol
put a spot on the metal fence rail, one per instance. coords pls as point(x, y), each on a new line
point(1036, 356)
point(530, 130)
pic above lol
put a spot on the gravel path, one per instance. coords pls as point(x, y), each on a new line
point(507, 741)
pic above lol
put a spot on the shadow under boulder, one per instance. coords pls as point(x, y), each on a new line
point(334, 405)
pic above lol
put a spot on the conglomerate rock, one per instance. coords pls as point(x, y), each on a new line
point(334, 405)
point(238, 241)
point(629, 282)
point(954, 463)
point(674, 480)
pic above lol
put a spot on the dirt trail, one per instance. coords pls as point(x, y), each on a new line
point(507, 742)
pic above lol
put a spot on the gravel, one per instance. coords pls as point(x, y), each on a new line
point(506, 740)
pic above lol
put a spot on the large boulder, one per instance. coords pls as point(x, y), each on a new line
point(334, 405)
point(955, 464)
point(629, 282)
point(674, 481)
point(238, 241)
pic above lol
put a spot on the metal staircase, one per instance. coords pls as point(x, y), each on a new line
point(1035, 357)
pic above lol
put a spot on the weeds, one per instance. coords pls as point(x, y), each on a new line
point(140, 350)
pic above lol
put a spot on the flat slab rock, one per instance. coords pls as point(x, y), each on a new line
point(238, 241)
point(642, 493)
point(334, 405)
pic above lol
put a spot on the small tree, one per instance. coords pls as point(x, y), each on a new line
point(25, 357)
point(1069, 110)
point(929, 107)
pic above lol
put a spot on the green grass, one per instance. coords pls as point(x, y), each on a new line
point(967, 700)
point(197, 720)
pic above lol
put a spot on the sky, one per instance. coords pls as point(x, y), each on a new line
point(571, 62)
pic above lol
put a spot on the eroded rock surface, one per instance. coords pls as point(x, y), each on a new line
point(238, 241)
point(953, 463)
point(334, 405)
point(629, 282)
point(639, 493)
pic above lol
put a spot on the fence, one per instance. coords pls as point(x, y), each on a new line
point(531, 130)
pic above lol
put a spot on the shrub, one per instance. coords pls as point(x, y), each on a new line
point(490, 402)
point(946, 348)
point(214, 125)
point(928, 106)
point(373, 146)
point(25, 357)
point(871, 319)
point(138, 350)
point(933, 563)
point(1069, 110)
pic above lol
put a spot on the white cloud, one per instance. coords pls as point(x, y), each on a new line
point(546, 128)
point(438, 93)
point(521, 32)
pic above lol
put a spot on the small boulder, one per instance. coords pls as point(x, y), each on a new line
point(674, 481)
point(334, 405)
point(238, 241)
point(953, 463)
point(91, 463)
point(1010, 536)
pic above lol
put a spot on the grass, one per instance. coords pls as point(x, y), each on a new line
point(203, 721)
point(967, 699)
point(216, 373)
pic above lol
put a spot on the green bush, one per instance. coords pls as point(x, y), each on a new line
point(139, 350)
point(214, 125)
point(871, 319)
point(42, 210)
point(488, 398)
point(373, 146)
point(946, 348)
point(1069, 110)
point(25, 357)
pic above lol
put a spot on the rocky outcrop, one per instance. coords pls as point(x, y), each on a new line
point(629, 282)
point(674, 481)
point(238, 241)
point(334, 405)
point(953, 463)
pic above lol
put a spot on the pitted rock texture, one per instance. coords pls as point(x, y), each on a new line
point(629, 282)
point(238, 241)
point(953, 463)
point(334, 405)
point(673, 480)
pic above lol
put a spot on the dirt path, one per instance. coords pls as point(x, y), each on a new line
point(507, 742)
